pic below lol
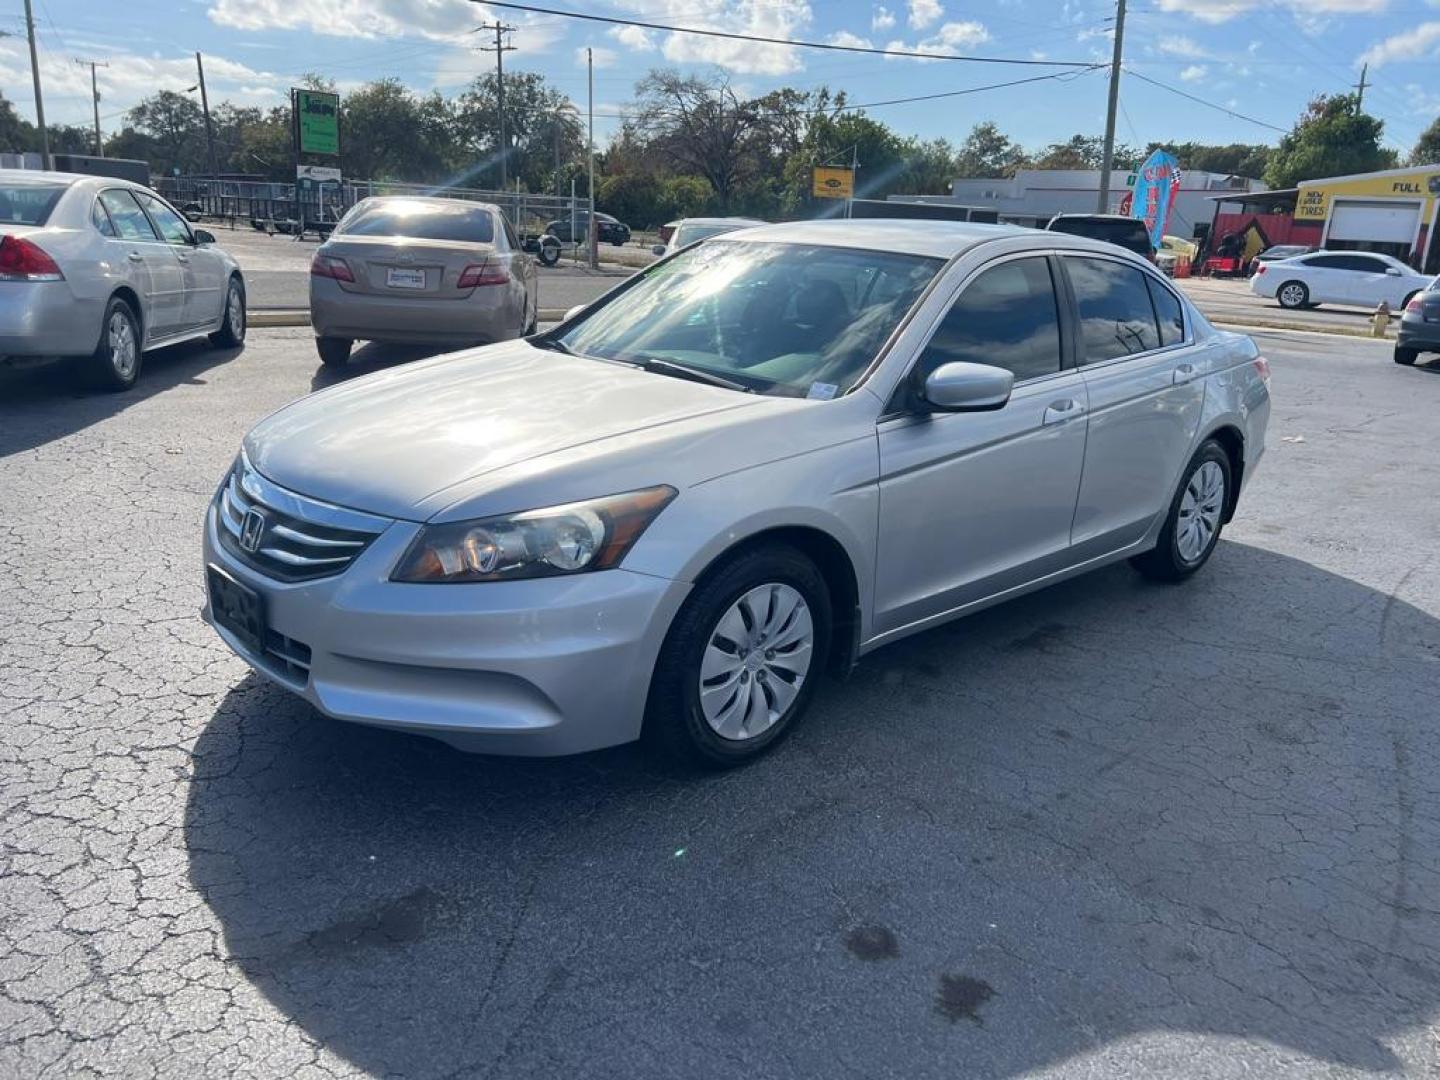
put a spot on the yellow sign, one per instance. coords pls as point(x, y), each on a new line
point(834, 183)
point(1411, 184)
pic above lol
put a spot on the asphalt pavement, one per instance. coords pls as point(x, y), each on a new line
point(1113, 829)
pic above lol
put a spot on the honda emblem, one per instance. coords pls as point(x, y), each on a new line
point(252, 531)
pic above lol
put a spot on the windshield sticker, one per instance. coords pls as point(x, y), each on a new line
point(822, 391)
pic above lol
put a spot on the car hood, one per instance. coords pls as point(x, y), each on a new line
point(389, 442)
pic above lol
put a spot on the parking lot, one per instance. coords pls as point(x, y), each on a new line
point(1113, 829)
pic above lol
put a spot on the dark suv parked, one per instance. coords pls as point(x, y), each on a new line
point(612, 231)
point(1126, 232)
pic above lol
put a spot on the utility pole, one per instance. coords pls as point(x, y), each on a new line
point(45, 161)
point(590, 145)
point(1360, 97)
point(1107, 159)
point(209, 130)
point(500, 48)
point(95, 99)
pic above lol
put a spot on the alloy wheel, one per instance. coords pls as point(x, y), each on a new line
point(756, 660)
point(123, 348)
point(1200, 510)
point(1292, 295)
point(235, 312)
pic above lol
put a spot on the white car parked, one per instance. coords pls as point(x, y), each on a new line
point(1338, 277)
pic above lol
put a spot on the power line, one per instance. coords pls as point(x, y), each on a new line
point(1207, 104)
point(831, 46)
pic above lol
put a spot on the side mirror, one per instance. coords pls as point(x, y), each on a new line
point(965, 387)
point(204, 236)
point(657, 249)
point(1392, 271)
point(576, 310)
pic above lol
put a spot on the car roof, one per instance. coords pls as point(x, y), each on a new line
point(936, 239)
point(439, 202)
point(718, 221)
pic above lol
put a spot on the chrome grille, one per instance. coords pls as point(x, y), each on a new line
point(287, 536)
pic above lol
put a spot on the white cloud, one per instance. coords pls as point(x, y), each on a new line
point(1194, 73)
point(128, 79)
point(1182, 46)
point(844, 37)
point(603, 57)
point(883, 19)
point(435, 20)
point(636, 38)
point(950, 38)
point(1307, 12)
point(1416, 43)
point(924, 12)
point(760, 18)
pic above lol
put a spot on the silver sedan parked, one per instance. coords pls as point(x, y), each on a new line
point(106, 269)
point(762, 458)
point(420, 270)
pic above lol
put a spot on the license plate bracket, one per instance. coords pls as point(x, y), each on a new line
point(237, 607)
point(400, 278)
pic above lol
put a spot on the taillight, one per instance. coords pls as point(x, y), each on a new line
point(477, 274)
point(1414, 305)
point(24, 260)
point(1259, 269)
point(1262, 368)
point(331, 267)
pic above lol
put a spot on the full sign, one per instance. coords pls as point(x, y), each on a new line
point(318, 114)
point(833, 183)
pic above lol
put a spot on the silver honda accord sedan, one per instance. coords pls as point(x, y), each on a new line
point(106, 270)
point(754, 462)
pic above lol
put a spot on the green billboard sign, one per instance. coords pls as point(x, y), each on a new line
point(318, 116)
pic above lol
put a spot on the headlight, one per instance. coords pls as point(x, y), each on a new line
point(590, 535)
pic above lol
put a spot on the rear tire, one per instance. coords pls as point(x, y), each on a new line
point(1197, 513)
point(1293, 295)
point(231, 334)
point(1406, 356)
point(334, 352)
point(758, 670)
point(116, 362)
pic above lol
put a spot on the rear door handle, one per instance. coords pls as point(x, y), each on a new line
point(182, 256)
point(135, 256)
point(1057, 412)
point(1184, 373)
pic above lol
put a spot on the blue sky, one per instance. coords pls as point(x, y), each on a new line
point(1264, 58)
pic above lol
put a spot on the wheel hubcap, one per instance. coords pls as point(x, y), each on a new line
point(1200, 509)
point(122, 345)
point(1293, 295)
point(756, 661)
point(236, 313)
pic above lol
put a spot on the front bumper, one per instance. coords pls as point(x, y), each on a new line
point(541, 667)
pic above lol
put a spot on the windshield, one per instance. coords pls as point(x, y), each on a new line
point(28, 204)
point(421, 221)
point(792, 320)
point(688, 234)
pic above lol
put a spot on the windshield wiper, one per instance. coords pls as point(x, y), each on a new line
point(685, 371)
point(545, 341)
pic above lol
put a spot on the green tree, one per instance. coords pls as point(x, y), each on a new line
point(380, 133)
point(542, 128)
point(701, 126)
point(1332, 138)
point(1427, 147)
point(176, 128)
point(17, 135)
point(1233, 159)
point(989, 152)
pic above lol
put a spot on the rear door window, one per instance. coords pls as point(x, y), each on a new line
point(129, 220)
point(101, 220)
point(1007, 317)
point(1116, 316)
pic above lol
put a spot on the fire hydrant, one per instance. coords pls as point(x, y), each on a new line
point(1380, 320)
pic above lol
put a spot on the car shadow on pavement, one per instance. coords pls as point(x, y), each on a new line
point(376, 356)
point(1194, 819)
point(28, 393)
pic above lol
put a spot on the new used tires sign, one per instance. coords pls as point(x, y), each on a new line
point(318, 115)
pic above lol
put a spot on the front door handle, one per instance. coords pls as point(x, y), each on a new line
point(182, 256)
point(135, 256)
point(1057, 412)
point(1184, 373)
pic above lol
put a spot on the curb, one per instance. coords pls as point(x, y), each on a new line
point(274, 318)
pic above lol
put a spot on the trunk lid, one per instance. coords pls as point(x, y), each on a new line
point(401, 267)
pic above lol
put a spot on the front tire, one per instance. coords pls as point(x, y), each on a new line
point(1197, 514)
point(334, 352)
point(115, 364)
point(1406, 356)
point(1293, 295)
point(741, 660)
point(231, 334)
